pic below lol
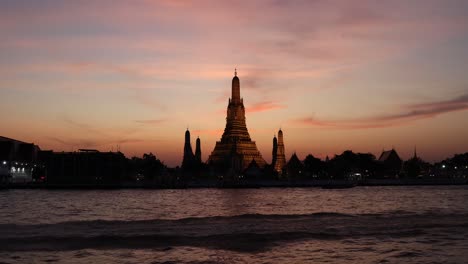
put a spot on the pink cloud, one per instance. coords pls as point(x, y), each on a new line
point(151, 121)
point(264, 106)
point(407, 114)
point(335, 33)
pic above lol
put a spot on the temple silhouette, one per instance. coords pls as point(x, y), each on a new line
point(235, 150)
point(235, 154)
point(236, 158)
point(234, 162)
point(191, 163)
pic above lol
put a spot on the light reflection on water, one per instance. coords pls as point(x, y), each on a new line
point(52, 206)
point(409, 223)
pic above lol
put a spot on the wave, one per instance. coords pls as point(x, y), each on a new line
point(249, 232)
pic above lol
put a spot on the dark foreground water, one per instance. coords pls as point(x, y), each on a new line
point(311, 225)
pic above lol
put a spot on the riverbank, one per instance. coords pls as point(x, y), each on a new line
point(245, 184)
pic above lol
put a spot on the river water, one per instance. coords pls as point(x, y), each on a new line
point(270, 225)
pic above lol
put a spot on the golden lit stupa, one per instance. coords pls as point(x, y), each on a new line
point(235, 149)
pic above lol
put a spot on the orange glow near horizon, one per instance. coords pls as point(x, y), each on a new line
point(333, 75)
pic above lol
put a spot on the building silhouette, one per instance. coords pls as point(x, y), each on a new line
point(274, 151)
point(415, 167)
point(18, 160)
point(85, 166)
point(188, 159)
point(294, 169)
point(198, 151)
point(391, 162)
point(235, 151)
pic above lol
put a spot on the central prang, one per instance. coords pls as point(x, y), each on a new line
point(235, 150)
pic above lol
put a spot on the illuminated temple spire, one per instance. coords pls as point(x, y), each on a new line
point(235, 140)
point(280, 159)
point(235, 88)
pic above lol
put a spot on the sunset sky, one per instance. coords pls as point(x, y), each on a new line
point(334, 75)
